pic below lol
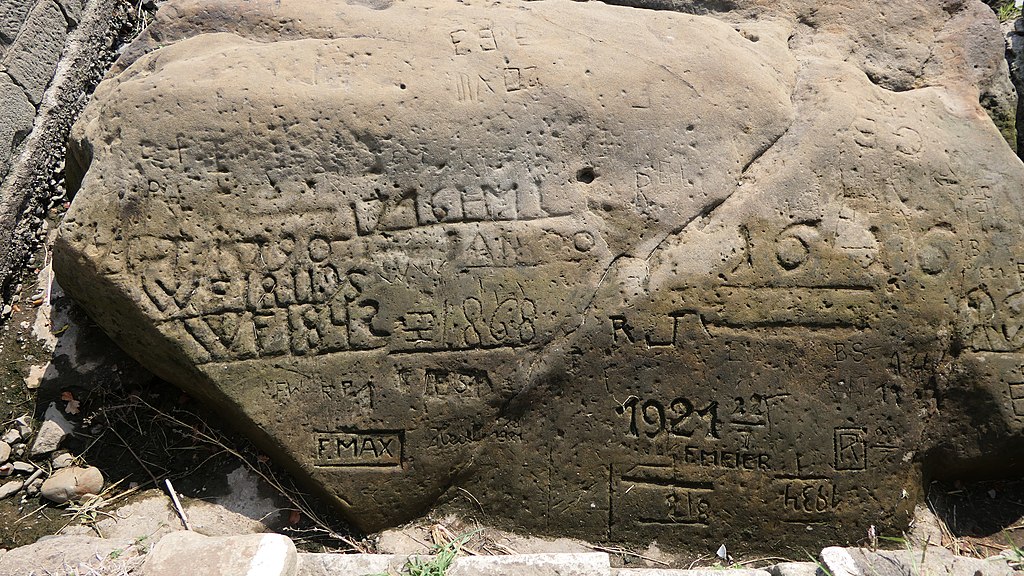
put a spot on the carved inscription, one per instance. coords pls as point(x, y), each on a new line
point(651, 494)
point(851, 451)
point(496, 272)
point(809, 496)
point(680, 417)
point(462, 383)
point(383, 449)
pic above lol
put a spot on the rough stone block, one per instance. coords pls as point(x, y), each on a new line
point(931, 560)
point(353, 564)
point(16, 115)
point(70, 555)
point(585, 564)
point(189, 552)
point(690, 572)
point(72, 10)
point(611, 273)
point(12, 16)
point(795, 569)
point(33, 57)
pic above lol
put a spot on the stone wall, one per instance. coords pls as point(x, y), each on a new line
point(52, 54)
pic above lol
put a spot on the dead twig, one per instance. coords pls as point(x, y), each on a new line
point(134, 455)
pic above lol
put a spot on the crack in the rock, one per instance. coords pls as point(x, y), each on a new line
point(702, 214)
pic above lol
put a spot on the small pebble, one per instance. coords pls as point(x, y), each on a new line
point(62, 460)
point(11, 436)
point(24, 467)
point(18, 450)
point(6, 469)
point(5, 451)
point(10, 488)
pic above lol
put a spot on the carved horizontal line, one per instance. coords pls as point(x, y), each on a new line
point(403, 351)
point(826, 287)
point(672, 522)
point(348, 466)
point(515, 266)
point(669, 483)
point(830, 324)
point(799, 477)
point(717, 330)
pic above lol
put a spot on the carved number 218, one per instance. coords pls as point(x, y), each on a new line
point(680, 418)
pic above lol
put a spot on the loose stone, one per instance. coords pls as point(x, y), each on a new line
point(72, 483)
point(52, 431)
point(62, 460)
point(10, 487)
point(23, 467)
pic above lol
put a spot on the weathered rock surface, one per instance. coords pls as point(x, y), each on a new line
point(191, 553)
point(71, 556)
point(10, 488)
point(616, 273)
point(52, 431)
point(926, 560)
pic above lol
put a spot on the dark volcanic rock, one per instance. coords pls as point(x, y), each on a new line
point(617, 273)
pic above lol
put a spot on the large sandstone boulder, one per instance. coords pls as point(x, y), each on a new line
point(602, 271)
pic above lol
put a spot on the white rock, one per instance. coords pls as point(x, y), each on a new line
point(23, 467)
point(54, 429)
point(839, 562)
point(191, 553)
point(11, 436)
point(72, 483)
point(10, 487)
point(5, 452)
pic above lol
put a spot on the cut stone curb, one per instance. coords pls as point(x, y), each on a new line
point(585, 564)
point(795, 569)
point(573, 564)
point(933, 560)
point(352, 564)
point(694, 572)
point(192, 553)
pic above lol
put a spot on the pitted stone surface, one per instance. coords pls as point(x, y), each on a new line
point(33, 57)
point(599, 271)
point(16, 113)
